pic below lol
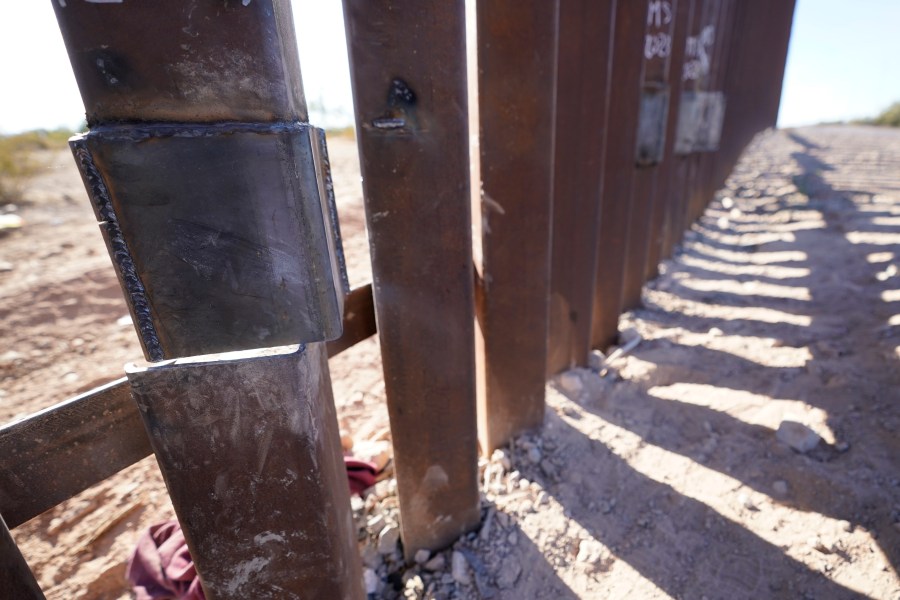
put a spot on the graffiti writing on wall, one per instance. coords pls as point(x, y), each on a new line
point(658, 44)
point(698, 54)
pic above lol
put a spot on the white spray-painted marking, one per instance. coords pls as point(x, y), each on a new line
point(242, 572)
point(268, 536)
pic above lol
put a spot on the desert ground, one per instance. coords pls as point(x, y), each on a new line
point(747, 447)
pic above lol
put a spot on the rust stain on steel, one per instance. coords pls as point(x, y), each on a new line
point(585, 49)
point(517, 49)
point(223, 61)
point(250, 452)
point(408, 64)
point(621, 147)
point(16, 580)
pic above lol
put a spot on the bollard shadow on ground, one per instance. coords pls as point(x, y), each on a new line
point(677, 533)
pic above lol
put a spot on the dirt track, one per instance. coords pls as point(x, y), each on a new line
point(664, 479)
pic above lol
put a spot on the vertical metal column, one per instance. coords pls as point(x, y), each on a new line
point(16, 580)
point(249, 448)
point(408, 64)
point(582, 90)
point(621, 149)
point(713, 113)
point(755, 74)
point(651, 143)
point(517, 47)
point(695, 57)
point(662, 205)
point(214, 197)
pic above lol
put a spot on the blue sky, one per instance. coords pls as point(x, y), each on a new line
point(842, 63)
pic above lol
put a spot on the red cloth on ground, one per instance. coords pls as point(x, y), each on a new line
point(360, 474)
point(161, 567)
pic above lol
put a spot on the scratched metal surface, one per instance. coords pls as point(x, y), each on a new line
point(222, 235)
point(251, 455)
point(170, 60)
point(59, 452)
point(409, 81)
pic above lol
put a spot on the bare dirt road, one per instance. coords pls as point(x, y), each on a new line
point(665, 478)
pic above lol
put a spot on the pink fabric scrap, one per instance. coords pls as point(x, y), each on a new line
point(360, 474)
point(161, 567)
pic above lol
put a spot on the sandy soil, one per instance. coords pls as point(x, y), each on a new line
point(665, 478)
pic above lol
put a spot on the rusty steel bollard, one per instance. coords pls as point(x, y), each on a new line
point(214, 197)
point(212, 192)
point(250, 452)
point(16, 579)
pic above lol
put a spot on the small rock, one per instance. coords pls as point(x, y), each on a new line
point(842, 447)
point(509, 574)
point(459, 568)
point(596, 359)
point(370, 580)
point(549, 469)
point(387, 539)
point(543, 498)
point(589, 553)
point(124, 321)
point(10, 356)
point(376, 523)
point(436, 564)
point(715, 332)
point(513, 538)
point(421, 556)
point(571, 383)
point(727, 203)
point(846, 526)
point(501, 457)
point(798, 436)
point(370, 557)
point(534, 455)
point(415, 585)
point(780, 488)
point(6, 266)
point(746, 502)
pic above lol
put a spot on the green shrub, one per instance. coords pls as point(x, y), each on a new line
point(17, 157)
point(890, 117)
